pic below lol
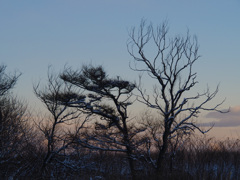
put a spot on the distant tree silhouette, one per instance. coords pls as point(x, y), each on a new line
point(7, 81)
point(13, 125)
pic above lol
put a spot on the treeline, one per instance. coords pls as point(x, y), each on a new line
point(88, 132)
point(25, 148)
point(72, 142)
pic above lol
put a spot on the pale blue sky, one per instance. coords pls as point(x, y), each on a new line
point(35, 34)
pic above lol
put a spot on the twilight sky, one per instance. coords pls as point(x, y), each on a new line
point(36, 34)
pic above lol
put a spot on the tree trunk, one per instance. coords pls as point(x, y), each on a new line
point(46, 161)
point(129, 155)
point(132, 169)
point(162, 153)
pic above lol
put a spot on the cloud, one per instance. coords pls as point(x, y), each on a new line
point(230, 119)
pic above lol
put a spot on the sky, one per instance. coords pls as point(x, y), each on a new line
point(36, 34)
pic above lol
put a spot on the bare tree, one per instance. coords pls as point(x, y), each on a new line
point(108, 99)
point(172, 68)
point(55, 96)
point(14, 127)
point(7, 81)
point(14, 131)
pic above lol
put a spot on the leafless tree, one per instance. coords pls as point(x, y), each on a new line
point(14, 127)
point(55, 96)
point(108, 99)
point(7, 81)
point(169, 61)
point(14, 135)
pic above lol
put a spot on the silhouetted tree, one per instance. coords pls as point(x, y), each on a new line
point(14, 128)
point(169, 61)
point(55, 96)
point(7, 81)
point(108, 99)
